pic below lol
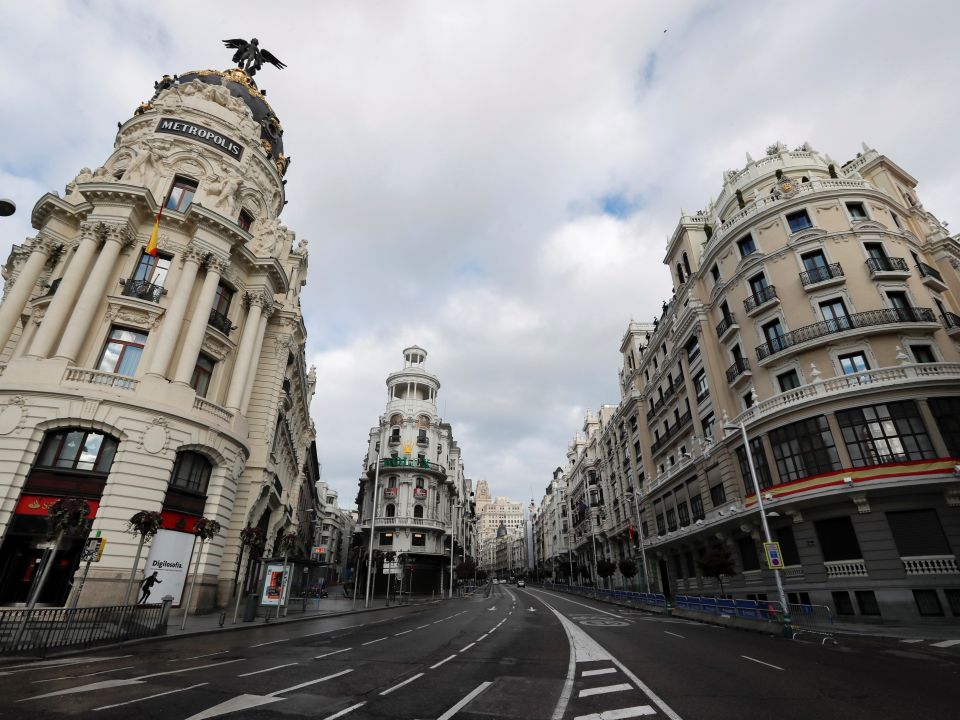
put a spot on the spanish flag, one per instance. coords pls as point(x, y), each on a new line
point(152, 243)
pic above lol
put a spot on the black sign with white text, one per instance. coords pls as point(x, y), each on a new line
point(201, 134)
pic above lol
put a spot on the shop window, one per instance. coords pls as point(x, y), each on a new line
point(77, 449)
point(867, 602)
point(804, 448)
point(419, 540)
point(191, 472)
point(881, 434)
point(121, 354)
point(759, 464)
point(842, 603)
point(946, 413)
point(953, 600)
point(928, 604)
point(202, 374)
point(386, 538)
point(181, 194)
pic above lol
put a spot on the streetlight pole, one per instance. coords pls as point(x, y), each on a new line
point(763, 520)
point(373, 522)
point(643, 548)
point(453, 537)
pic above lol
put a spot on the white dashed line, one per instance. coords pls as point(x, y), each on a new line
point(335, 652)
point(467, 647)
point(423, 626)
point(275, 667)
point(309, 682)
point(344, 711)
point(400, 685)
point(70, 677)
point(620, 687)
point(434, 667)
point(482, 637)
point(371, 642)
point(915, 640)
point(601, 671)
point(747, 657)
point(674, 634)
point(197, 657)
point(272, 642)
point(402, 633)
point(150, 697)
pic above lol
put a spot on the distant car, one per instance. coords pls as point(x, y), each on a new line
point(521, 583)
point(496, 582)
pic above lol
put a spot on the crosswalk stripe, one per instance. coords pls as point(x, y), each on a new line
point(622, 714)
point(602, 671)
point(605, 689)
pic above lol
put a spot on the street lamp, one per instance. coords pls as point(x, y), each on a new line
point(631, 494)
point(7, 207)
point(373, 522)
point(763, 518)
point(453, 536)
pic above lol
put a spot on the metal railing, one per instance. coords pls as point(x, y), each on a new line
point(820, 274)
point(220, 321)
point(739, 367)
point(42, 629)
point(725, 324)
point(951, 321)
point(870, 318)
point(142, 290)
point(761, 297)
point(930, 272)
point(886, 264)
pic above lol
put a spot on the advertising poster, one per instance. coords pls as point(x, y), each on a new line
point(169, 557)
point(274, 585)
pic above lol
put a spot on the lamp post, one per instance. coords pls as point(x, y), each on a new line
point(373, 522)
point(453, 537)
point(631, 494)
point(7, 207)
point(763, 519)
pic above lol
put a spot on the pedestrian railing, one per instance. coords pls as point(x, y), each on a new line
point(816, 619)
point(40, 630)
point(767, 610)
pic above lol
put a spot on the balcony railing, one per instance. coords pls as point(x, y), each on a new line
point(739, 367)
point(887, 265)
point(845, 568)
point(927, 271)
point(95, 377)
point(143, 290)
point(951, 321)
point(671, 432)
point(200, 403)
point(931, 565)
point(821, 274)
point(870, 318)
point(413, 463)
point(220, 321)
point(725, 324)
point(762, 297)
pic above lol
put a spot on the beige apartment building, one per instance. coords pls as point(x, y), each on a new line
point(816, 303)
point(173, 383)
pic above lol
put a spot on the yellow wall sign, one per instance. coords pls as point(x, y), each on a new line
point(408, 449)
point(93, 549)
point(774, 556)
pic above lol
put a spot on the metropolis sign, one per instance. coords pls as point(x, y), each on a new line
point(201, 134)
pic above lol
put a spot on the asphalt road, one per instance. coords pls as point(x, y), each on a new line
point(517, 653)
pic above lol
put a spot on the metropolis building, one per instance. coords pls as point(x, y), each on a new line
point(423, 499)
point(818, 305)
point(174, 382)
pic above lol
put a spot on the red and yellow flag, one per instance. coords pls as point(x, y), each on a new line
point(152, 243)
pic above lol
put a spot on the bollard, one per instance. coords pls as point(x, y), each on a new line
point(166, 604)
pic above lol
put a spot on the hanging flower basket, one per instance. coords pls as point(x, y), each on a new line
point(288, 543)
point(145, 523)
point(69, 515)
point(254, 537)
point(206, 529)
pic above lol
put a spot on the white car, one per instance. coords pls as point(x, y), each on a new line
point(496, 582)
point(521, 583)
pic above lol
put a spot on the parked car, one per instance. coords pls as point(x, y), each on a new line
point(521, 583)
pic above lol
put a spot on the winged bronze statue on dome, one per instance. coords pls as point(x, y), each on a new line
point(249, 56)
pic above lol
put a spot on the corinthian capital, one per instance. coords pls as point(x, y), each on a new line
point(120, 234)
point(260, 298)
point(218, 264)
point(47, 246)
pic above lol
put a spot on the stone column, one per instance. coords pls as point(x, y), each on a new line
point(73, 279)
point(255, 361)
point(216, 266)
point(251, 328)
point(166, 340)
point(95, 285)
point(18, 293)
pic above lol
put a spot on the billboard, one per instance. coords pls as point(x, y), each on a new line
point(169, 557)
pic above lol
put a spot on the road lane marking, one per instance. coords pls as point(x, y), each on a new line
point(622, 714)
point(150, 697)
point(603, 690)
point(57, 664)
point(601, 671)
point(466, 648)
point(439, 621)
point(747, 657)
point(915, 640)
point(589, 607)
point(400, 685)
point(70, 677)
point(403, 633)
point(482, 637)
point(309, 682)
point(199, 667)
point(272, 642)
point(344, 711)
point(197, 657)
point(345, 627)
point(946, 643)
point(434, 667)
point(675, 634)
point(423, 626)
point(467, 698)
point(371, 642)
point(317, 657)
point(275, 667)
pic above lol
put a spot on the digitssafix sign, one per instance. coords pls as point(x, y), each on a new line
point(201, 134)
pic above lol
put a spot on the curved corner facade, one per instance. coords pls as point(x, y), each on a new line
point(173, 382)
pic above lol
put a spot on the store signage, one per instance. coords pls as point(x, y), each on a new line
point(274, 585)
point(201, 134)
point(169, 557)
point(40, 505)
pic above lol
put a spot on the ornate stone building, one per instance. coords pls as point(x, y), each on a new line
point(173, 383)
point(423, 499)
point(818, 304)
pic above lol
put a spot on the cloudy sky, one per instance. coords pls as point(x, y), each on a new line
point(493, 180)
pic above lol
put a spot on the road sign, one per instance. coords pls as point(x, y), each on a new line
point(93, 549)
point(774, 556)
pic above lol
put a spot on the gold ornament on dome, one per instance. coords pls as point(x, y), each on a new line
point(282, 162)
point(268, 146)
point(144, 107)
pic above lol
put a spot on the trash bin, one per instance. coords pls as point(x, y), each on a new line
point(250, 607)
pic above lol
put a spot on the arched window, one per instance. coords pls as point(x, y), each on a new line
point(390, 510)
point(418, 511)
point(686, 264)
point(191, 472)
point(77, 449)
point(679, 274)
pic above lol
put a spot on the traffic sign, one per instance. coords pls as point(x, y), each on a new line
point(774, 556)
point(93, 549)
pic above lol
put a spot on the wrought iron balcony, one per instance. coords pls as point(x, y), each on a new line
point(739, 367)
point(761, 298)
point(887, 265)
point(821, 274)
point(142, 290)
point(951, 321)
point(220, 321)
point(870, 318)
point(931, 277)
point(726, 324)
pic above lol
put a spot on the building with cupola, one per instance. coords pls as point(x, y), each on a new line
point(414, 495)
point(815, 304)
point(172, 382)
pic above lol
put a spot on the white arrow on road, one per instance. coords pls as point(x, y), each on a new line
point(492, 608)
point(245, 702)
